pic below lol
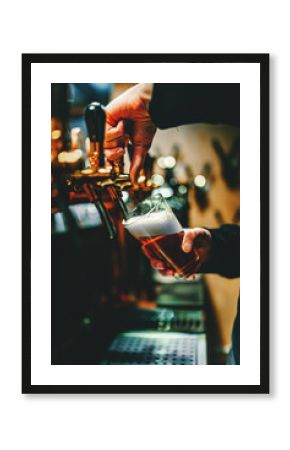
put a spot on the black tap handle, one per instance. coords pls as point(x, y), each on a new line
point(95, 117)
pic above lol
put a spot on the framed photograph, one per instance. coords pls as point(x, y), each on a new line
point(145, 250)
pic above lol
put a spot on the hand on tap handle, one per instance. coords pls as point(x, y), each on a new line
point(115, 141)
point(95, 117)
point(131, 106)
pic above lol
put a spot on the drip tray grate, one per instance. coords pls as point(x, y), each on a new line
point(151, 347)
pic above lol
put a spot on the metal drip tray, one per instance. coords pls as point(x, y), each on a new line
point(153, 347)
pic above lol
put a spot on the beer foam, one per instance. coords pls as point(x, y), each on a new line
point(153, 224)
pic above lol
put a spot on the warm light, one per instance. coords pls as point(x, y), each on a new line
point(141, 179)
point(69, 157)
point(55, 134)
point(200, 181)
point(161, 162)
point(103, 170)
point(166, 162)
point(76, 138)
point(169, 162)
point(87, 145)
point(87, 171)
point(157, 179)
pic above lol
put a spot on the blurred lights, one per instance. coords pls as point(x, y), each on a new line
point(55, 134)
point(86, 321)
point(87, 171)
point(157, 179)
point(166, 192)
point(160, 162)
point(182, 189)
point(166, 162)
point(141, 179)
point(103, 170)
point(170, 162)
point(77, 138)
point(200, 181)
point(69, 157)
point(87, 145)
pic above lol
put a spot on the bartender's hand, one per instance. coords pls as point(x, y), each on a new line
point(130, 108)
point(196, 241)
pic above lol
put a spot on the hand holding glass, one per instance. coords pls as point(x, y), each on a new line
point(155, 225)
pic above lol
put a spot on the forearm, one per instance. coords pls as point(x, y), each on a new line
point(224, 256)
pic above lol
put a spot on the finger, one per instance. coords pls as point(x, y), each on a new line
point(137, 162)
point(120, 142)
point(199, 262)
point(113, 116)
point(167, 272)
point(127, 139)
point(188, 239)
point(114, 154)
point(187, 242)
point(197, 255)
point(112, 133)
point(191, 277)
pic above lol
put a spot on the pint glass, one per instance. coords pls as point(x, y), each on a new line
point(155, 225)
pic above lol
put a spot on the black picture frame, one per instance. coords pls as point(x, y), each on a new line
point(27, 60)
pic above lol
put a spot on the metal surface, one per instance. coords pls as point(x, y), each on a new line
point(157, 348)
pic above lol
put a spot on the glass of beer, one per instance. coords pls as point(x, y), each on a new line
point(155, 225)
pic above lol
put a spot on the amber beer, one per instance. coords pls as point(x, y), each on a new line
point(161, 234)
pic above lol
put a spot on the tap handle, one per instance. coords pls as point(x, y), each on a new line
point(95, 117)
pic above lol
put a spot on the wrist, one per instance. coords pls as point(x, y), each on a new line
point(146, 91)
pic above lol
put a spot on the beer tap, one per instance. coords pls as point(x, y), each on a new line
point(95, 118)
point(100, 182)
